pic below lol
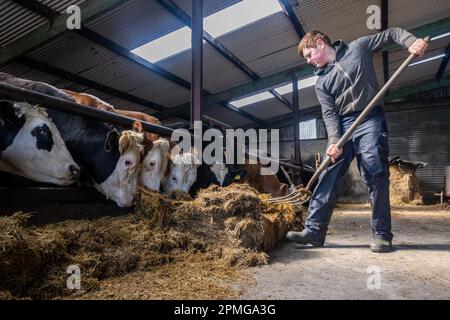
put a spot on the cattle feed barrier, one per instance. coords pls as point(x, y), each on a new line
point(19, 94)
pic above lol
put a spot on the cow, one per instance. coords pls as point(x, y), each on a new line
point(92, 101)
point(31, 146)
point(251, 174)
point(154, 164)
point(182, 172)
point(108, 154)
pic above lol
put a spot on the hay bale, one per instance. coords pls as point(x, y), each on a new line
point(242, 257)
point(229, 226)
point(19, 263)
point(404, 186)
point(249, 232)
point(6, 295)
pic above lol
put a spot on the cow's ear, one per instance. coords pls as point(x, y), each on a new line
point(137, 127)
point(239, 175)
point(112, 141)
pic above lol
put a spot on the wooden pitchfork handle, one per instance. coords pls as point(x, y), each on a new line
point(361, 117)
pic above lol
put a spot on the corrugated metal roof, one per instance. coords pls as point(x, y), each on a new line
point(73, 53)
point(261, 38)
point(267, 109)
point(413, 13)
point(225, 115)
point(82, 57)
point(267, 46)
point(16, 21)
point(25, 72)
point(145, 21)
point(419, 72)
point(218, 72)
point(60, 5)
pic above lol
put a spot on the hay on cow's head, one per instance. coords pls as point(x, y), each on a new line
point(131, 140)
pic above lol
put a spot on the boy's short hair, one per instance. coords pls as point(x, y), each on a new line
point(309, 41)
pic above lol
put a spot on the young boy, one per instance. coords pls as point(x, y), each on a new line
point(346, 84)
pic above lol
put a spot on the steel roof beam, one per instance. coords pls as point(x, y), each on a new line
point(279, 78)
point(106, 43)
point(183, 17)
point(292, 17)
point(443, 64)
point(88, 83)
point(110, 45)
point(52, 29)
point(384, 26)
point(394, 94)
point(39, 8)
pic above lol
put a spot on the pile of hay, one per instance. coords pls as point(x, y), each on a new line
point(404, 186)
point(229, 226)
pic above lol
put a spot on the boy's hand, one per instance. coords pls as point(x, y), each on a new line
point(334, 152)
point(418, 47)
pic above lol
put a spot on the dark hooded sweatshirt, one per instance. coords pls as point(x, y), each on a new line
point(350, 83)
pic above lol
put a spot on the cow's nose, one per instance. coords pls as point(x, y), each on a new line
point(74, 171)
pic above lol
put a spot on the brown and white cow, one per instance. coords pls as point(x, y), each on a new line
point(251, 174)
point(154, 163)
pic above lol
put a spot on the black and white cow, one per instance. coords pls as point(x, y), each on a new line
point(31, 146)
point(108, 154)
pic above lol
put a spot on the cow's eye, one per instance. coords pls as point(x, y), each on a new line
point(151, 163)
point(174, 178)
point(128, 163)
point(38, 131)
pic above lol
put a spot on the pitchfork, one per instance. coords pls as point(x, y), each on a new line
point(302, 195)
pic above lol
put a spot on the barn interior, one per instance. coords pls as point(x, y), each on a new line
point(244, 72)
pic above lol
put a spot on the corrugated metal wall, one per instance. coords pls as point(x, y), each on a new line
point(422, 135)
point(418, 131)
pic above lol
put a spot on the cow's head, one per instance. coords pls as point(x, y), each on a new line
point(182, 172)
point(226, 175)
point(122, 184)
point(31, 146)
point(154, 165)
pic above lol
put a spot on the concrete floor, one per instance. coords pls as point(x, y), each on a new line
point(418, 268)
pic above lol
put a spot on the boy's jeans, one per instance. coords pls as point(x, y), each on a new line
point(369, 144)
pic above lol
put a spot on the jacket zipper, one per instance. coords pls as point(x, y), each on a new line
point(351, 82)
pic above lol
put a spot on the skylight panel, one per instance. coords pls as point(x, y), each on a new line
point(440, 36)
point(239, 15)
point(303, 83)
point(252, 99)
point(166, 46)
point(427, 60)
point(217, 24)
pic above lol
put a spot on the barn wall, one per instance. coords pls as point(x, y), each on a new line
point(419, 130)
